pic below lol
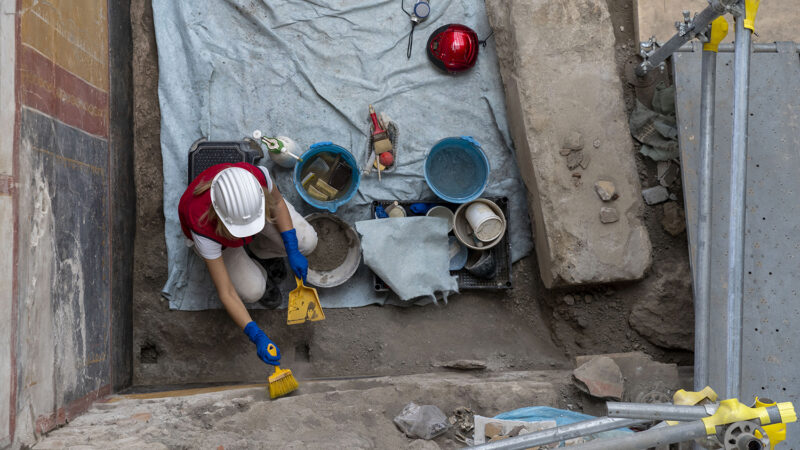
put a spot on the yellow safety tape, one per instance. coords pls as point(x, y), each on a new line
point(683, 397)
point(719, 29)
point(730, 411)
point(750, 11)
point(776, 431)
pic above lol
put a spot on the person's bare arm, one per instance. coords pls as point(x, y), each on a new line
point(283, 220)
point(227, 293)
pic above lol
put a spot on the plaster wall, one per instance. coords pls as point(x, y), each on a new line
point(7, 112)
point(70, 128)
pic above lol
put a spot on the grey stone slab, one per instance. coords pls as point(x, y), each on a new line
point(771, 310)
point(560, 77)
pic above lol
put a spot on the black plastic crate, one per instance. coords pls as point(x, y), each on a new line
point(204, 154)
point(501, 251)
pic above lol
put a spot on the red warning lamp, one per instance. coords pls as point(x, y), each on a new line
point(453, 47)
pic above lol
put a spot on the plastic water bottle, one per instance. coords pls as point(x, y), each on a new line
point(281, 150)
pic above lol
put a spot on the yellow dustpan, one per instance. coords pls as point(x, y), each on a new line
point(304, 305)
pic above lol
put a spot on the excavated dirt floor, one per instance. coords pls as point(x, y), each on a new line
point(321, 415)
point(528, 328)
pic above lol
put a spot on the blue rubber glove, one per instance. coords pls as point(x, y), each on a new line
point(420, 208)
point(297, 261)
point(267, 350)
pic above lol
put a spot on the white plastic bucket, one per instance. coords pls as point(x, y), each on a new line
point(486, 225)
point(443, 212)
point(395, 211)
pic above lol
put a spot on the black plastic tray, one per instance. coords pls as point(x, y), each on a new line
point(501, 251)
point(204, 154)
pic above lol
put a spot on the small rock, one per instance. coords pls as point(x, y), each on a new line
point(493, 429)
point(585, 162)
point(142, 417)
point(596, 143)
point(608, 214)
point(564, 151)
point(583, 322)
point(588, 298)
point(574, 159)
point(655, 195)
point(673, 197)
point(464, 364)
point(515, 431)
point(667, 172)
point(573, 141)
point(605, 190)
point(569, 300)
point(600, 377)
point(576, 175)
point(674, 221)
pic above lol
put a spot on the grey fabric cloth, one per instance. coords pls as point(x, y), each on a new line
point(309, 70)
point(410, 254)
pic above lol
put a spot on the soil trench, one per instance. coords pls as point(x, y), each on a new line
point(525, 328)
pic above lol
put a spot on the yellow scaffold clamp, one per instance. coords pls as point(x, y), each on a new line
point(719, 29)
point(771, 416)
point(750, 11)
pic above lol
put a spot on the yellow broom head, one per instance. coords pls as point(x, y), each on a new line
point(281, 383)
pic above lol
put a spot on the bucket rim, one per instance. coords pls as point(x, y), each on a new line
point(333, 205)
point(474, 145)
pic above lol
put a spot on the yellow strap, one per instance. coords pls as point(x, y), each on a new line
point(750, 10)
point(719, 29)
point(731, 411)
point(683, 397)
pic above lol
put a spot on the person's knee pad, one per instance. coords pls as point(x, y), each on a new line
point(253, 289)
point(307, 240)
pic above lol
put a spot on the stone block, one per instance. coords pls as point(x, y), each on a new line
point(558, 66)
point(645, 379)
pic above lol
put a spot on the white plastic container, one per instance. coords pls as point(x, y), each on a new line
point(281, 150)
point(464, 231)
point(443, 212)
point(486, 225)
point(395, 211)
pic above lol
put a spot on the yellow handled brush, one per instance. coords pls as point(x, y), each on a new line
point(281, 382)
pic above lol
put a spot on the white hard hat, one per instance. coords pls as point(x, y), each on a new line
point(238, 201)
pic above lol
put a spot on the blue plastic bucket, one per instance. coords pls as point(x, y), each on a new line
point(457, 170)
point(308, 158)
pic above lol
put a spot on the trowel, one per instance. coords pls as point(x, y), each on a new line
point(304, 305)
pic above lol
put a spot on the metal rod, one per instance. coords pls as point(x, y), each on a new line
point(653, 437)
point(728, 48)
point(557, 434)
point(736, 231)
point(702, 261)
point(700, 22)
point(659, 411)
